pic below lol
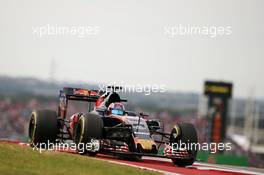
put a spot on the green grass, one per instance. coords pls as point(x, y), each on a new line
point(18, 160)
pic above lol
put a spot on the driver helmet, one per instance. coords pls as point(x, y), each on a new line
point(116, 108)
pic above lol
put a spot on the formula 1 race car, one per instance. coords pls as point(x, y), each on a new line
point(110, 129)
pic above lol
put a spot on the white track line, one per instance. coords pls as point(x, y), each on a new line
point(205, 166)
point(142, 167)
point(225, 168)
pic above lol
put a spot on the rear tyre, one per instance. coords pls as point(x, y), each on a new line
point(187, 134)
point(89, 126)
point(42, 127)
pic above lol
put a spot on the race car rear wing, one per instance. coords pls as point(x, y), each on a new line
point(80, 94)
point(76, 94)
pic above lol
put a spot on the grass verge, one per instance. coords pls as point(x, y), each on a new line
point(18, 160)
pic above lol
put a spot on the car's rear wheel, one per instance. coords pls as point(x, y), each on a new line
point(185, 133)
point(42, 127)
point(89, 128)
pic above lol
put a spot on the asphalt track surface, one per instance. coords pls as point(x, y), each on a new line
point(165, 166)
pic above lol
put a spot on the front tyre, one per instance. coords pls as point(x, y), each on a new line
point(88, 131)
point(185, 133)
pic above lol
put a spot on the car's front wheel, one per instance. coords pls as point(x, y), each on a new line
point(185, 134)
point(87, 133)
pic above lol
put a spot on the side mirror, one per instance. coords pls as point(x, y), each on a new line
point(142, 114)
point(153, 125)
